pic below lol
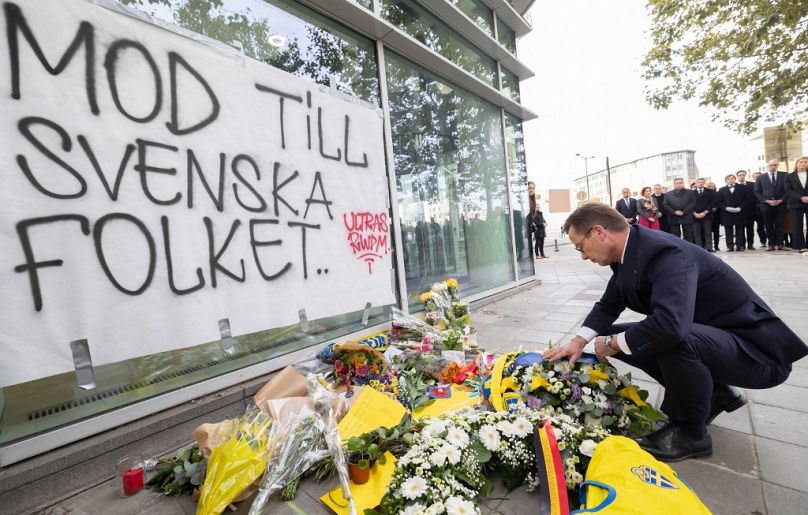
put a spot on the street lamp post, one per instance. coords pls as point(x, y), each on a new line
point(586, 172)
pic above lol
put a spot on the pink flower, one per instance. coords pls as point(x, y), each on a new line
point(340, 367)
point(362, 371)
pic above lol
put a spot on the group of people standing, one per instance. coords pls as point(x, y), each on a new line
point(696, 214)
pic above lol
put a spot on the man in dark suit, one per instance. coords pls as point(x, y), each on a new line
point(770, 191)
point(679, 205)
point(797, 191)
point(703, 216)
point(761, 225)
point(733, 205)
point(627, 207)
point(705, 328)
point(749, 209)
point(659, 197)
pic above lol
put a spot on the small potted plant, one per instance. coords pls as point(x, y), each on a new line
point(359, 464)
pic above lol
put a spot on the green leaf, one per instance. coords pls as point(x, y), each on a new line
point(363, 463)
point(486, 487)
point(373, 450)
point(606, 421)
point(382, 459)
point(355, 443)
point(481, 454)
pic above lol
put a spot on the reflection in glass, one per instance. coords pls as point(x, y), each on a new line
point(506, 36)
point(283, 34)
point(515, 147)
point(426, 28)
point(478, 12)
point(450, 179)
point(509, 84)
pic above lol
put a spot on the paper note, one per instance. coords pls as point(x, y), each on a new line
point(368, 495)
point(371, 410)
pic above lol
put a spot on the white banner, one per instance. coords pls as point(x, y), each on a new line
point(153, 185)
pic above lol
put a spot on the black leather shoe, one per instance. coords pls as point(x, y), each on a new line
point(725, 398)
point(670, 443)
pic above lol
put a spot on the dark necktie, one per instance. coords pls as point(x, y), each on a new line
point(772, 177)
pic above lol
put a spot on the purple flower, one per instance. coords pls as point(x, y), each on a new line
point(533, 402)
point(576, 392)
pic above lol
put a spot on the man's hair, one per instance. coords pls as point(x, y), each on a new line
point(595, 213)
point(701, 179)
point(739, 171)
point(531, 182)
point(678, 179)
point(728, 176)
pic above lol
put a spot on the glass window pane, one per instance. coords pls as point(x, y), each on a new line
point(283, 34)
point(515, 146)
point(510, 84)
point(450, 177)
point(429, 30)
point(506, 36)
point(367, 4)
point(478, 12)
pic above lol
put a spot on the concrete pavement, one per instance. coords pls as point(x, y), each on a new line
point(760, 451)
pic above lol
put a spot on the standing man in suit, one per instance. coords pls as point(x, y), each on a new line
point(679, 205)
point(627, 207)
point(797, 191)
point(659, 197)
point(761, 225)
point(703, 216)
point(749, 209)
point(770, 191)
point(705, 328)
point(733, 205)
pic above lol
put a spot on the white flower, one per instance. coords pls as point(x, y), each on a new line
point(413, 488)
point(489, 437)
point(505, 427)
point(435, 509)
point(413, 509)
point(458, 506)
point(457, 437)
point(451, 453)
point(587, 447)
point(521, 427)
point(434, 428)
point(437, 458)
point(586, 390)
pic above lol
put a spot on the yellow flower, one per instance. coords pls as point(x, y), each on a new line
point(630, 392)
point(595, 375)
point(451, 283)
point(425, 297)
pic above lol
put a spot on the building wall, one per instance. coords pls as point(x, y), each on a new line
point(445, 75)
point(646, 171)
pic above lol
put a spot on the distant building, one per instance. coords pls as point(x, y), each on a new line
point(775, 143)
point(645, 171)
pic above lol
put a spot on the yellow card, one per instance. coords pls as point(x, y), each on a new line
point(371, 410)
point(368, 495)
point(461, 398)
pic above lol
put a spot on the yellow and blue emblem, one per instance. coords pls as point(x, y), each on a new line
point(652, 477)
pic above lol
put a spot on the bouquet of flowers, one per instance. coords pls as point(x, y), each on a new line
point(445, 469)
point(443, 307)
point(410, 332)
point(237, 461)
point(365, 367)
point(590, 391)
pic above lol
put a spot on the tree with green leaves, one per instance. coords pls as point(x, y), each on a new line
point(744, 58)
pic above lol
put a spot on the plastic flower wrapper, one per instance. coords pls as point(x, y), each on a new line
point(408, 331)
point(308, 436)
point(237, 461)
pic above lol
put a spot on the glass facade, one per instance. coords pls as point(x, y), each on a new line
point(429, 30)
point(509, 84)
point(506, 36)
point(451, 164)
point(450, 176)
point(283, 34)
point(478, 12)
point(517, 170)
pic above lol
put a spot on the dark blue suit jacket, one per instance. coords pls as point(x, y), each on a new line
point(629, 211)
point(765, 190)
point(677, 284)
point(735, 199)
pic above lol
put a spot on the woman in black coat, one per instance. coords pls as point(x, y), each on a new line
point(537, 223)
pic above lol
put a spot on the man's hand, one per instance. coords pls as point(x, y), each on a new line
point(602, 350)
point(572, 348)
point(771, 202)
point(679, 212)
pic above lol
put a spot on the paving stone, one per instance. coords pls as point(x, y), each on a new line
point(739, 420)
point(785, 396)
point(780, 424)
point(565, 317)
point(722, 490)
point(521, 502)
point(782, 463)
point(784, 501)
point(799, 376)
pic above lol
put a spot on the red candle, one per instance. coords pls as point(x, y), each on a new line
point(132, 480)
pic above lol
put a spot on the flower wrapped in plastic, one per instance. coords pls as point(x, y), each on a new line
point(306, 437)
point(410, 332)
point(237, 461)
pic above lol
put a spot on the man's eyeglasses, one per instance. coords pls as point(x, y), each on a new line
point(586, 235)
